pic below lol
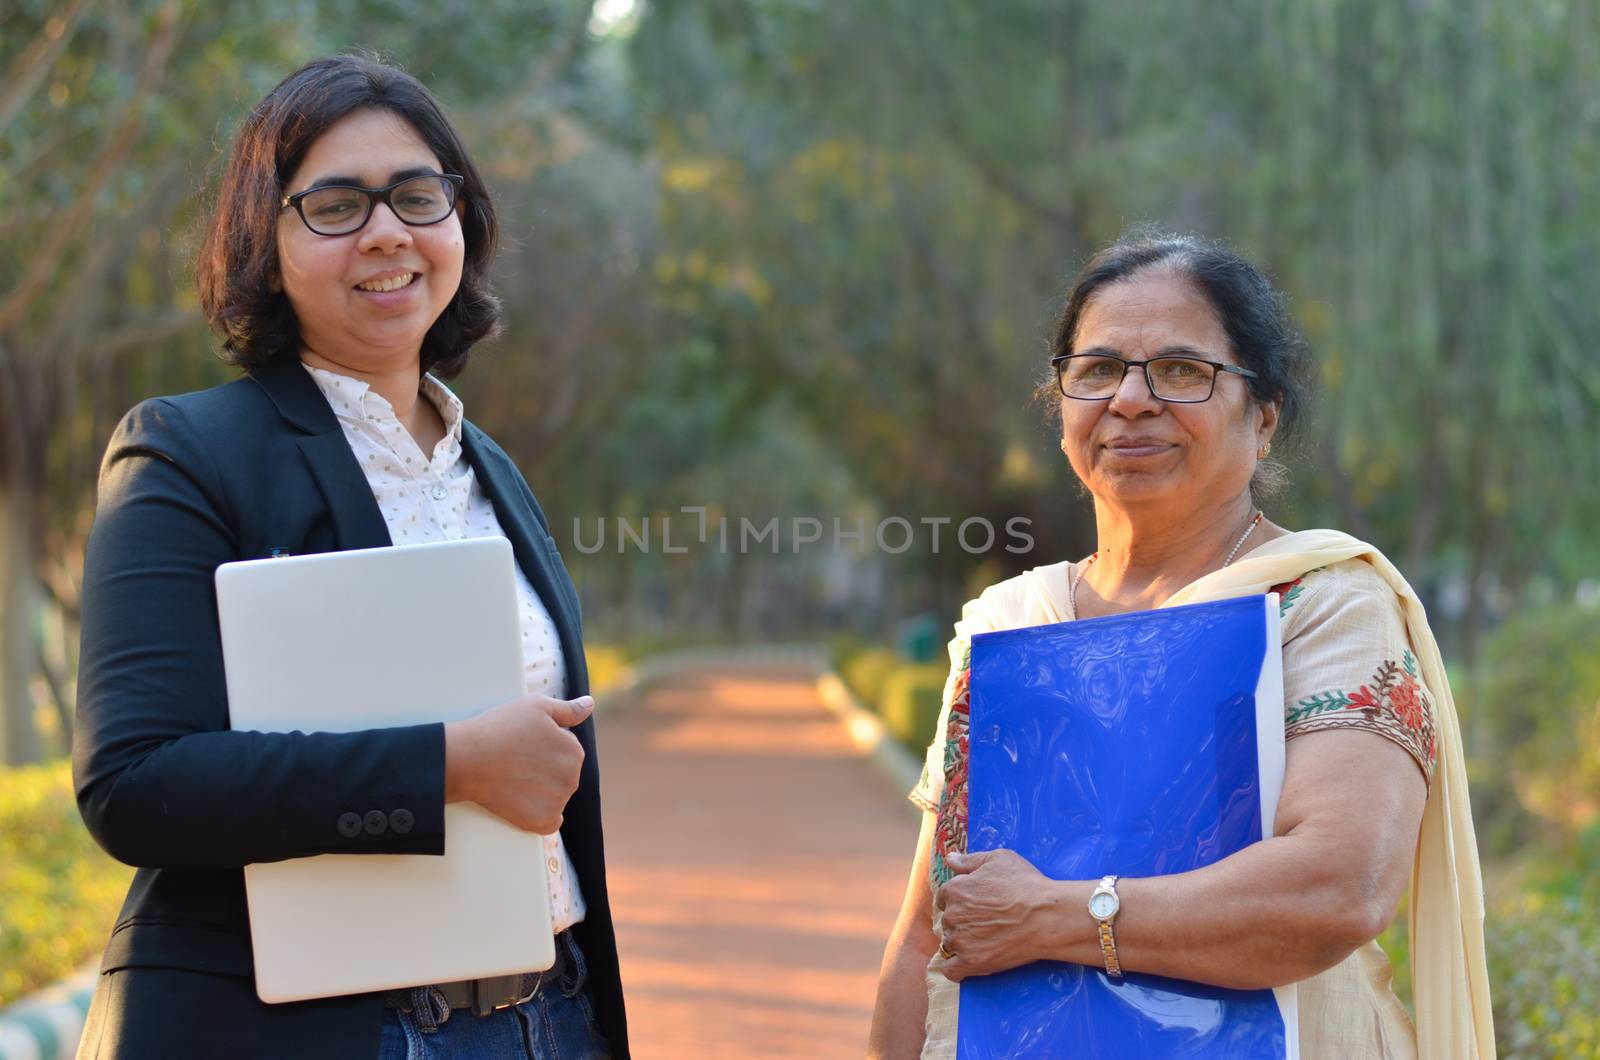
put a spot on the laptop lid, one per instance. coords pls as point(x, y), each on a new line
point(348, 641)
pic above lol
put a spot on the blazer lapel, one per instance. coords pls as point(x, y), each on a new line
point(356, 519)
point(503, 485)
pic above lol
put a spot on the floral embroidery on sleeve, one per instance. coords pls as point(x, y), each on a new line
point(950, 828)
point(1393, 704)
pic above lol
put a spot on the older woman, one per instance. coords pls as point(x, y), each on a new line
point(345, 269)
point(1175, 368)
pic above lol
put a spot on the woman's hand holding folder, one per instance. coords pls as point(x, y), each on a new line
point(517, 760)
point(1001, 912)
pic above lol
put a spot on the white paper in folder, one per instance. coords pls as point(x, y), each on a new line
point(346, 641)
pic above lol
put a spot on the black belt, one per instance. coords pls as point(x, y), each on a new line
point(488, 996)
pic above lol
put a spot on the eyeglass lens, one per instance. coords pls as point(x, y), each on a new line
point(1171, 378)
point(337, 210)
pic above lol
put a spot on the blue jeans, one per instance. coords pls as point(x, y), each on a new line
point(557, 1023)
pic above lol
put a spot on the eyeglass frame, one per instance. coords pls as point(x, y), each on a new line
point(1062, 358)
point(373, 197)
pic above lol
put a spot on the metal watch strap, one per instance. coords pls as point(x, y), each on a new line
point(1108, 938)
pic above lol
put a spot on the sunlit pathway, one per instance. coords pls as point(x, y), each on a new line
point(756, 863)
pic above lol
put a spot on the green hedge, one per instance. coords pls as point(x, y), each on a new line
point(911, 702)
point(59, 893)
point(1531, 711)
point(1544, 974)
point(868, 673)
point(906, 695)
point(1543, 949)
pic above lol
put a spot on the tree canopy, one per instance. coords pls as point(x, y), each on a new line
point(779, 258)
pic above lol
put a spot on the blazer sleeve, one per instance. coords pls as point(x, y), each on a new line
point(161, 781)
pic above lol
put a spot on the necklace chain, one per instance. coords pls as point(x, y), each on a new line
point(1077, 573)
point(1237, 545)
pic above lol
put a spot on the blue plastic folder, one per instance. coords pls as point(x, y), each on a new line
point(1141, 744)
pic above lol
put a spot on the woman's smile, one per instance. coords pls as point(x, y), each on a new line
point(392, 289)
point(1134, 447)
point(388, 282)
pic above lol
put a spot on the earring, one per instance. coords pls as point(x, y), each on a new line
point(1265, 449)
point(1064, 448)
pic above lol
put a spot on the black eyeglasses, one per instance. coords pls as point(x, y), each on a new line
point(339, 209)
point(1171, 377)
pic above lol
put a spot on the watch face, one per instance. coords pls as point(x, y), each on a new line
point(1103, 905)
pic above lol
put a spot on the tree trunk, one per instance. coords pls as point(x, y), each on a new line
point(19, 610)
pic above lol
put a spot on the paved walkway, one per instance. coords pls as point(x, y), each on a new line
point(756, 862)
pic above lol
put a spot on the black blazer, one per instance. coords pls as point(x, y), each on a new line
point(189, 483)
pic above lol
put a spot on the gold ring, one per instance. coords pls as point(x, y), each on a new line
point(945, 952)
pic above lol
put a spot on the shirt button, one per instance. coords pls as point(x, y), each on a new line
point(440, 493)
point(555, 866)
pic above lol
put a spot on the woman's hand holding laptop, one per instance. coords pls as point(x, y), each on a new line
point(517, 760)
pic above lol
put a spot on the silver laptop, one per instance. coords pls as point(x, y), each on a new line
point(346, 641)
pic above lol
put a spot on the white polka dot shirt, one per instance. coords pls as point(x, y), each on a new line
point(438, 499)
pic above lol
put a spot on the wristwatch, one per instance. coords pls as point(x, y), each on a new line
point(1103, 906)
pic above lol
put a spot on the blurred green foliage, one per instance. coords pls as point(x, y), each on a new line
point(781, 257)
point(1544, 957)
point(910, 703)
point(867, 671)
point(906, 695)
point(59, 893)
point(1534, 704)
point(878, 205)
point(1542, 937)
point(1532, 711)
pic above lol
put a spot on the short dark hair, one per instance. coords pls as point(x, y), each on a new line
point(1254, 314)
point(238, 259)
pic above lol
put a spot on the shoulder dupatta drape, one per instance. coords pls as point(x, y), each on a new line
point(1450, 982)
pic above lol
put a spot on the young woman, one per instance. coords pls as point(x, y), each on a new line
point(345, 269)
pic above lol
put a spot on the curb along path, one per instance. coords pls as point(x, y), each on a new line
point(46, 1026)
point(756, 860)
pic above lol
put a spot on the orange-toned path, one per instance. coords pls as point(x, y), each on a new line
point(756, 863)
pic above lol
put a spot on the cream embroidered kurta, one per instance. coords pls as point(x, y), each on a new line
point(1348, 663)
point(438, 498)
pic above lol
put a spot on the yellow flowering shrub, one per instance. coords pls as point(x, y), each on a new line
point(608, 664)
point(59, 892)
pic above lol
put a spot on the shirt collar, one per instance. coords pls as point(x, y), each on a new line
point(355, 401)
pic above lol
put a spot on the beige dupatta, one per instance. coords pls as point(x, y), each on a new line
point(1450, 981)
